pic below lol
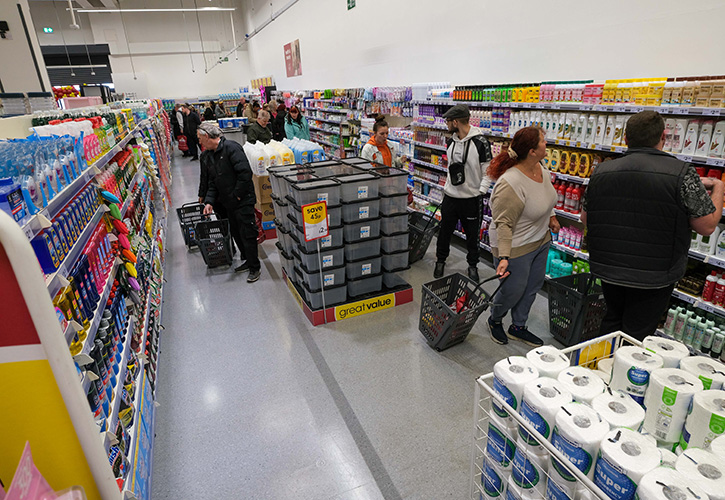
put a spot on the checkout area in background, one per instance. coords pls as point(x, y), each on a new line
point(234, 129)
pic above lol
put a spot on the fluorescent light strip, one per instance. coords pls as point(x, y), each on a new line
point(117, 11)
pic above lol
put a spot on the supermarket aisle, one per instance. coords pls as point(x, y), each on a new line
point(256, 403)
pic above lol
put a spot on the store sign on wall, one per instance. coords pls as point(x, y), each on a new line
point(293, 59)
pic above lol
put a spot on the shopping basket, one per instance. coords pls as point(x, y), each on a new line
point(586, 353)
point(440, 324)
point(576, 308)
point(189, 214)
point(422, 227)
point(214, 240)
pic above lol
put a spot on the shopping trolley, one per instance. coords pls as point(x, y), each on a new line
point(587, 354)
point(189, 214)
point(422, 227)
point(450, 307)
point(214, 240)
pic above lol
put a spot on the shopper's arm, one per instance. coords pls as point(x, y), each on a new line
point(252, 135)
point(288, 130)
point(506, 208)
point(211, 193)
point(706, 225)
point(367, 152)
point(203, 178)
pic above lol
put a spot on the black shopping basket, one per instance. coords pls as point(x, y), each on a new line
point(440, 324)
point(214, 240)
point(576, 308)
point(422, 227)
point(189, 214)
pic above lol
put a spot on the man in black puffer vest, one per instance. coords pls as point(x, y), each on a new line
point(640, 210)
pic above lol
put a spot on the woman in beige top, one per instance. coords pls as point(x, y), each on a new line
point(522, 205)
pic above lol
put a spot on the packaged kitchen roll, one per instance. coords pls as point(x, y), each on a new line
point(706, 420)
point(494, 479)
point(667, 484)
point(631, 370)
point(619, 410)
point(717, 446)
point(510, 375)
point(578, 433)
point(515, 492)
point(500, 445)
point(705, 469)
point(625, 457)
point(604, 369)
point(583, 383)
point(671, 351)
point(549, 360)
point(529, 471)
point(667, 401)
point(543, 399)
point(667, 458)
point(711, 372)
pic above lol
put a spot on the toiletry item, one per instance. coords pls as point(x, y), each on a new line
point(703, 141)
point(690, 144)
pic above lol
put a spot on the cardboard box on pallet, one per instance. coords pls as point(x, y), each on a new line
point(267, 210)
point(263, 188)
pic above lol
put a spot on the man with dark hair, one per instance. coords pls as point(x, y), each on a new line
point(640, 210)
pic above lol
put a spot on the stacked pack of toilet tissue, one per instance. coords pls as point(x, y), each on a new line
point(652, 425)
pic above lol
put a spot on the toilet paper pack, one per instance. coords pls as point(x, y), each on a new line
point(549, 360)
point(529, 471)
point(500, 445)
point(717, 446)
point(583, 383)
point(667, 484)
point(706, 420)
point(631, 370)
point(543, 399)
point(710, 371)
point(667, 401)
point(704, 469)
point(510, 375)
point(494, 479)
point(672, 351)
point(619, 410)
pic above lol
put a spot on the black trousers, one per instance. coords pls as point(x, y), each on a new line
point(468, 211)
point(193, 142)
point(635, 311)
point(243, 227)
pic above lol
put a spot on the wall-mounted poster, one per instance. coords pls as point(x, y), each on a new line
point(292, 58)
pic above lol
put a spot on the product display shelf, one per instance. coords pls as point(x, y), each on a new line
point(324, 131)
point(336, 146)
point(327, 110)
point(429, 165)
point(432, 184)
point(707, 259)
point(487, 218)
point(574, 253)
point(133, 432)
point(432, 125)
point(573, 106)
point(698, 302)
point(568, 215)
point(480, 243)
point(116, 403)
point(429, 146)
point(324, 120)
point(426, 199)
point(571, 178)
point(136, 179)
point(93, 328)
point(54, 281)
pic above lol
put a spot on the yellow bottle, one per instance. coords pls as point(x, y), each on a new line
point(547, 159)
point(585, 163)
point(573, 163)
point(555, 160)
point(564, 157)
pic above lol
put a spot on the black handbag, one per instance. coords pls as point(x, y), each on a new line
point(457, 170)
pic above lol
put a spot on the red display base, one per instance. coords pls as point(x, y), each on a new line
point(271, 234)
point(371, 303)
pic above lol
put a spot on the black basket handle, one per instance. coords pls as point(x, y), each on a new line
point(431, 219)
point(495, 276)
point(193, 203)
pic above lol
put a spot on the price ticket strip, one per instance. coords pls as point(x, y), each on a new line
point(42, 399)
point(315, 227)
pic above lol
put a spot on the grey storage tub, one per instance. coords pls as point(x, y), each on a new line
point(393, 204)
point(395, 242)
point(362, 249)
point(395, 261)
point(334, 295)
point(392, 181)
point(390, 224)
point(320, 190)
point(363, 230)
point(363, 267)
point(368, 284)
point(360, 210)
point(332, 276)
point(331, 257)
point(334, 239)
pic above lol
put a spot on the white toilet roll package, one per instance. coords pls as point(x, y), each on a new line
point(667, 401)
point(717, 446)
point(625, 457)
point(577, 435)
point(705, 469)
point(710, 371)
point(631, 370)
point(584, 494)
point(583, 383)
point(549, 360)
point(558, 488)
point(515, 492)
point(529, 471)
point(706, 420)
point(667, 458)
point(543, 399)
point(671, 351)
point(500, 445)
point(494, 479)
point(667, 484)
point(510, 375)
point(619, 410)
point(604, 369)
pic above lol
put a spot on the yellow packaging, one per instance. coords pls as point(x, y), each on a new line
point(573, 163)
point(564, 157)
point(652, 100)
point(702, 102)
point(585, 164)
point(688, 93)
point(555, 160)
point(547, 159)
point(656, 87)
point(718, 88)
point(676, 97)
point(640, 99)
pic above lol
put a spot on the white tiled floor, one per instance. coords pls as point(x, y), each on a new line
point(255, 403)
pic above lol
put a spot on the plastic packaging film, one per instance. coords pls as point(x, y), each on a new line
point(549, 360)
point(672, 351)
point(619, 410)
point(510, 375)
point(706, 420)
point(632, 369)
point(704, 469)
point(494, 479)
point(583, 383)
point(543, 399)
point(667, 401)
point(667, 484)
point(529, 471)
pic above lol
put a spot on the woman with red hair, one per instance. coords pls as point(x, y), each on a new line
point(522, 204)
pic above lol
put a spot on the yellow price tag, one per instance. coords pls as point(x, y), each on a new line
point(314, 218)
point(613, 149)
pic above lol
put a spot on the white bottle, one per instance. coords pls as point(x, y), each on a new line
point(708, 244)
point(678, 136)
point(669, 133)
point(703, 141)
point(601, 129)
point(690, 144)
point(720, 246)
point(581, 128)
point(591, 132)
point(609, 130)
point(718, 140)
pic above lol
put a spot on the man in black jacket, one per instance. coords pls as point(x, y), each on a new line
point(640, 210)
point(230, 183)
point(192, 124)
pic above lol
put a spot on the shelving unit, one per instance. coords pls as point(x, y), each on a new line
point(429, 165)
point(339, 148)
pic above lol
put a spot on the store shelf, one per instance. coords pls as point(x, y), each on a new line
point(133, 432)
point(429, 165)
point(480, 243)
point(707, 259)
point(54, 280)
point(426, 199)
point(436, 126)
point(698, 302)
point(574, 253)
point(324, 120)
point(568, 215)
point(431, 146)
point(136, 179)
point(571, 178)
point(116, 403)
point(327, 110)
point(93, 328)
point(324, 131)
point(336, 146)
point(424, 181)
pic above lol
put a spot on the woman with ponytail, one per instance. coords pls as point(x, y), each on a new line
point(522, 205)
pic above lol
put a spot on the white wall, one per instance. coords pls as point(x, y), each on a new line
point(400, 42)
point(17, 70)
point(44, 15)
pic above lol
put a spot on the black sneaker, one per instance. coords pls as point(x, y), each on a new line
point(498, 335)
point(525, 336)
point(242, 268)
point(439, 270)
point(473, 273)
point(254, 276)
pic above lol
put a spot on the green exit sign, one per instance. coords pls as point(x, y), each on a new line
point(350, 4)
point(47, 30)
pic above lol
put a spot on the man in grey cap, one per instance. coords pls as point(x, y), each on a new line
point(469, 154)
